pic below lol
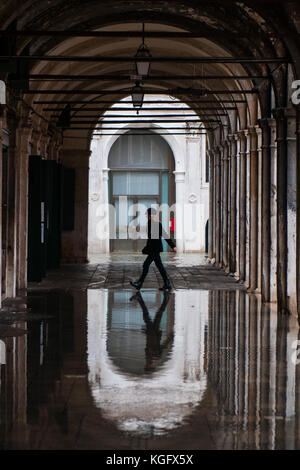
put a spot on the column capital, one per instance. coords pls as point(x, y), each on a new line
point(232, 137)
point(279, 113)
point(179, 176)
point(105, 172)
point(264, 123)
point(241, 135)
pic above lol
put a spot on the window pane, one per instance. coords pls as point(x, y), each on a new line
point(137, 183)
point(140, 151)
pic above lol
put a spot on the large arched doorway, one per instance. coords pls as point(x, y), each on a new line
point(141, 176)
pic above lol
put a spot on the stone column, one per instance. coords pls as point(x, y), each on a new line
point(253, 209)
point(211, 253)
point(179, 216)
point(259, 253)
point(22, 152)
point(217, 206)
point(291, 207)
point(247, 249)
point(281, 209)
point(222, 208)
point(232, 247)
point(242, 206)
point(225, 204)
point(35, 141)
point(298, 207)
point(266, 209)
point(1, 179)
point(273, 211)
point(11, 265)
point(75, 242)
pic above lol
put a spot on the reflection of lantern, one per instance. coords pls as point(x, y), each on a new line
point(137, 94)
point(142, 67)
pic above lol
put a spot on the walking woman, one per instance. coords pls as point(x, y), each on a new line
point(153, 249)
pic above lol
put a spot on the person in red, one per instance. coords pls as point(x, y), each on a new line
point(153, 249)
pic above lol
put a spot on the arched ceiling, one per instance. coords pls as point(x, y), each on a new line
point(235, 30)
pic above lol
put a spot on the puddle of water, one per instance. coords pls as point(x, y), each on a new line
point(191, 369)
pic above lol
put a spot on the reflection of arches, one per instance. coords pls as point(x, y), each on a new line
point(161, 401)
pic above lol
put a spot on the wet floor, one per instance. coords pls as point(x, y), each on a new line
point(106, 368)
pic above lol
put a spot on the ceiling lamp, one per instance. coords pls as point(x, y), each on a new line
point(137, 94)
point(142, 67)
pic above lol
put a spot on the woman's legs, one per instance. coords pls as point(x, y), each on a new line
point(146, 267)
point(161, 268)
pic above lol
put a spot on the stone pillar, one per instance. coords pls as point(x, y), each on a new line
point(222, 208)
point(273, 211)
point(237, 268)
point(225, 204)
point(35, 141)
point(298, 207)
point(253, 209)
point(291, 207)
point(281, 209)
point(1, 179)
point(232, 247)
point(247, 249)
point(217, 206)
point(22, 152)
point(242, 206)
point(259, 253)
point(11, 257)
point(75, 242)
point(211, 253)
point(266, 209)
point(180, 199)
point(194, 221)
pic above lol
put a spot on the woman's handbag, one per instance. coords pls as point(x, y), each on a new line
point(146, 250)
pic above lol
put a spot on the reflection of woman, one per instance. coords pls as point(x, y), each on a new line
point(153, 332)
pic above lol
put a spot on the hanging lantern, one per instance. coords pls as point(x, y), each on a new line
point(142, 67)
point(137, 94)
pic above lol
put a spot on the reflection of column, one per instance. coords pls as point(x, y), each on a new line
point(179, 227)
point(241, 357)
point(14, 392)
point(252, 390)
